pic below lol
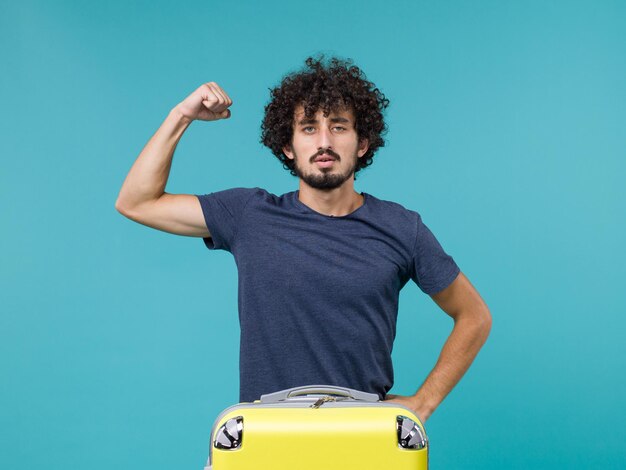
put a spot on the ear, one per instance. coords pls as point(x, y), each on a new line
point(287, 151)
point(364, 145)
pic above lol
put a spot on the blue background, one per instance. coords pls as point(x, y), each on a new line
point(507, 133)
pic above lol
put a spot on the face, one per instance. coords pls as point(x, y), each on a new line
point(325, 150)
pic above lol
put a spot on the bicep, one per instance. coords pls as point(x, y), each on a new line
point(180, 214)
point(460, 296)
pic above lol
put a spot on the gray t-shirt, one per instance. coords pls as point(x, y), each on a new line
point(318, 295)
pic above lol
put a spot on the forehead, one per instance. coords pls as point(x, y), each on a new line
point(340, 112)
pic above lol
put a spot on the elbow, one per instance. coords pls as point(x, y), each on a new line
point(124, 209)
point(484, 323)
point(477, 322)
point(119, 207)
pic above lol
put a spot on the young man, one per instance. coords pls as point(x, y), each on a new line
point(320, 268)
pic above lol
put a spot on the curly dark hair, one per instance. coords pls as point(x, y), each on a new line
point(329, 87)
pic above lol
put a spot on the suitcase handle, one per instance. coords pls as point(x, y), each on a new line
point(318, 389)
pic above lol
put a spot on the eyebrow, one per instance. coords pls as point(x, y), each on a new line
point(314, 121)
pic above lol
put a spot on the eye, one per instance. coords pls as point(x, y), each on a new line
point(339, 128)
point(306, 129)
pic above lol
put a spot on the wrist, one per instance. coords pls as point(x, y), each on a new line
point(179, 116)
point(423, 409)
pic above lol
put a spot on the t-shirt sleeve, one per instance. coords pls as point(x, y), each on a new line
point(222, 213)
point(432, 268)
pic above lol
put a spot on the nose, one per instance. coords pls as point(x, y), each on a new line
point(325, 138)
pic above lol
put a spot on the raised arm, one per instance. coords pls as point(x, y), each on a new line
point(143, 197)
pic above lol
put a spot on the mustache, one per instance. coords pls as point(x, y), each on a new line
point(323, 151)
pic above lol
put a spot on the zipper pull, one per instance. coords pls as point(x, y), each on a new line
point(323, 400)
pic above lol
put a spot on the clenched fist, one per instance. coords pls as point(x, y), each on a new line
point(208, 103)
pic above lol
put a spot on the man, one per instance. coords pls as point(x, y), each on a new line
point(320, 268)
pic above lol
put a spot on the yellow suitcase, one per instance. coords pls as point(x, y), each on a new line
point(318, 427)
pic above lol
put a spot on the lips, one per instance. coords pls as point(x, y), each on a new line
point(325, 158)
point(328, 163)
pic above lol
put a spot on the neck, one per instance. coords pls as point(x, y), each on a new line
point(336, 202)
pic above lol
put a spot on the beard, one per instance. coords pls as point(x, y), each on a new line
point(327, 180)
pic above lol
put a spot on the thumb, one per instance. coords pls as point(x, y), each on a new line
point(224, 114)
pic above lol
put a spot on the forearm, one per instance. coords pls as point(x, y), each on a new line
point(148, 176)
point(468, 335)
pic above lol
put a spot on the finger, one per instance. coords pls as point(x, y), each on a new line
point(225, 114)
point(229, 102)
point(224, 94)
point(222, 100)
point(209, 97)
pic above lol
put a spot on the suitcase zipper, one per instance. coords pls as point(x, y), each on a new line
point(323, 400)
